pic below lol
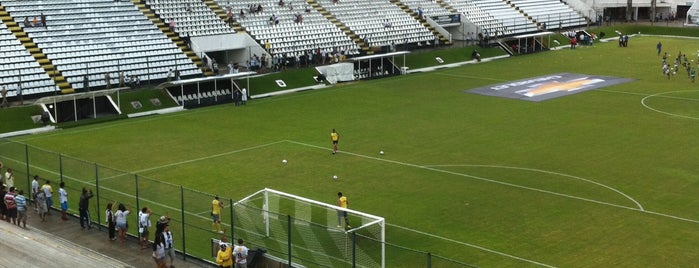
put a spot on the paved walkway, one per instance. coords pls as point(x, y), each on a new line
point(58, 243)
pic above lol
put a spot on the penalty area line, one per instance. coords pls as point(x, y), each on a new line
point(207, 157)
point(471, 245)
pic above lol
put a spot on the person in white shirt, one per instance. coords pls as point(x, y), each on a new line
point(143, 225)
point(35, 191)
point(63, 199)
point(241, 255)
point(9, 179)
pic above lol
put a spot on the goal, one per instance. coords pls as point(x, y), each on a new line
point(306, 231)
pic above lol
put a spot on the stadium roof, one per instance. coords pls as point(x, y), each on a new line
point(205, 79)
point(397, 53)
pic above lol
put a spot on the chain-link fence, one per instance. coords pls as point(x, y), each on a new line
point(189, 210)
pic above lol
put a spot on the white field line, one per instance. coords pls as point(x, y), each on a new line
point(643, 102)
point(473, 177)
point(640, 207)
point(207, 157)
point(471, 245)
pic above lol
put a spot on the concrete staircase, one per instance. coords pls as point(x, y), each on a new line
point(352, 35)
point(442, 40)
point(221, 13)
point(36, 52)
point(173, 36)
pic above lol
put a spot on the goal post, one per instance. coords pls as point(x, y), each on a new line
point(308, 230)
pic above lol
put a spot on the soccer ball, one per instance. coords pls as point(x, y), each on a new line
point(284, 161)
point(335, 177)
point(381, 152)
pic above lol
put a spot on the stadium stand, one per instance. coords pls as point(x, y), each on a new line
point(551, 12)
point(379, 22)
point(192, 18)
point(429, 8)
point(289, 37)
point(17, 66)
point(494, 17)
point(90, 38)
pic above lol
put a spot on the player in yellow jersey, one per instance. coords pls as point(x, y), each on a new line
point(343, 203)
point(335, 138)
point(216, 207)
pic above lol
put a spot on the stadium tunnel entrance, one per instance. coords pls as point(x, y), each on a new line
point(78, 106)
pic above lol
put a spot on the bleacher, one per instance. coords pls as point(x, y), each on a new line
point(553, 13)
point(94, 37)
point(18, 66)
point(369, 18)
point(495, 17)
point(192, 18)
point(288, 37)
point(429, 8)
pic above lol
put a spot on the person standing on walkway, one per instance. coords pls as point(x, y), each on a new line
point(121, 224)
point(11, 206)
point(241, 255)
point(143, 225)
point(21, 202)
point(63, 199)
point(111, 222)
point(35, 191)
point(48, 194)
point(9, 178)
point(224, 258)
point(169, 244)
point(41, 202)
point(83, 207)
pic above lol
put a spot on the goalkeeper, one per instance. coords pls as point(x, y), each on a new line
point(343, 203)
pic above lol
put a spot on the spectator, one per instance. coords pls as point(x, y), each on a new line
point(11, 206)
point(4, 97)
point(9, 178)
point(169, 244)
point(83, 206)
point(281, 3)
point(63, 199)
point(159, 250)
point(35, 22)
point(121, 225)
point(111, 222)
point(241, 255)
point(244, 96)
point(21, 202)
point(242, 14)
point(143, 225)
point(43, 20)
point(107, 81)
point(48, 193)
point(35, 191)
point(177, 74)
point(121, 79)
point(3, 207)
point(224, 258)
point(27, 24)
point(171, 25)
point(42, 208)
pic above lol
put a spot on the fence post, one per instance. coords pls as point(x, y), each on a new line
point(26, 157)
point(137, 199)
point(429, 260)
point(288, 237)
point(97, 190)
point(184, 243)
point(230, 201)
point(354, 248)
point(60, 166)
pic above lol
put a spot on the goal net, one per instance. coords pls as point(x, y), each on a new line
point(309, 232)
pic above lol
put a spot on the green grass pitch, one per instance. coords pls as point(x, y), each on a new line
point(602, 178)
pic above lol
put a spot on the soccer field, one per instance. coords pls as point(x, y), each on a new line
point(600, 178)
